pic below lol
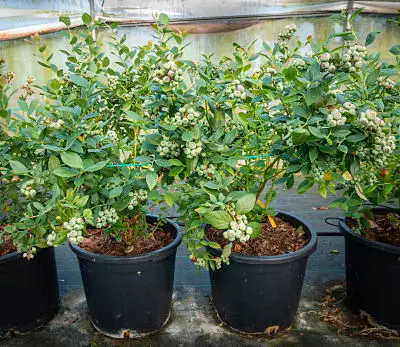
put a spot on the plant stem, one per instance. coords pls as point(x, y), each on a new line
point(262, 186)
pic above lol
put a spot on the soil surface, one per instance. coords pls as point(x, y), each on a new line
point(100, 243)
point(6, 245)
point(283, 239)
point(386, 229)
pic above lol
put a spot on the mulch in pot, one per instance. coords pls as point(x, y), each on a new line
point(6, 245)
point(283, 239)
point(385, 228)
point(98, 241)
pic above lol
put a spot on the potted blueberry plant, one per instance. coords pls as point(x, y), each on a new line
point(370, 183)
point(227, 139)
point(90, 135)
point(345, 139)
point(29, 290)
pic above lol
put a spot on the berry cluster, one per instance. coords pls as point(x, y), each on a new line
point(168, 149)
point(112, 136)
point(168, 74)
point(335, 118)
point(112, 82)
point(192, 149)
point(325, 62)
point(230, 124)
point(105, 217)
point(75, 227)
point(386, 82)
point(235, 90)
point(51, 238)
point(207, 171)
point(137, 197)
point(317, 173)
point(184, 117)
point(299, 64)
point(29, 254)
point(50, 123)
point(27, 189)
point(286, 35)
point(369, 120)
point(239, 230)
point(354, 59)
point(88, 131)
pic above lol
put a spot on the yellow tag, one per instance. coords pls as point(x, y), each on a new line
point(260, 203)
point(271, 220)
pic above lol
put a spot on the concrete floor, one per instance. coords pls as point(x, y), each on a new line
point(193, 321)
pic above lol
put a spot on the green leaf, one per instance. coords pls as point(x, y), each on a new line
point(176, 162)
point(38, 205)
point(355, 138)
point(246, 203)
point(355, 14)
point(290, 73)
point(163, 19)
point(72, 160)
point(187, 136)
point(395, 49)
point(105, 62)
point(169, 199)
point(299, 136)
point(65, 172)
point(340, 133)
point(117, 191)
point(354, 166)
point(64, 19)
point(151, 179)
point(313, 94)
point(218, 219)
point(163, 163)
point(317, 132)
point(293, 168)
point(133, 116)
point(322, 190)
point(256, 229)
point(313, 154)
point(86, 19)
point(97, 166)
point(82, 201)
point(342, 148)
point(79, 80)
point(371, 37)
point(18, 167)
point(54, 163)
point(304, 186)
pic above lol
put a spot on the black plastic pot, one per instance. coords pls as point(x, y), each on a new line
point(373, 276)
point(130, 296)
point(253, 294)
point(28, 291)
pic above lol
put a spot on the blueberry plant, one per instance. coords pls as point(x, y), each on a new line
point(329, 115)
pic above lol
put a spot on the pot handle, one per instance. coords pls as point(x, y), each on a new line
point(329, 219)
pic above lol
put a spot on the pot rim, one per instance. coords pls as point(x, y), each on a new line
point(152, 256)
point(348, 232)
point(306, 251)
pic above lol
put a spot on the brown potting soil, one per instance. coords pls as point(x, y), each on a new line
point(384, 229)
point(283, 239)
point(6, 245)
point(100, 243)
